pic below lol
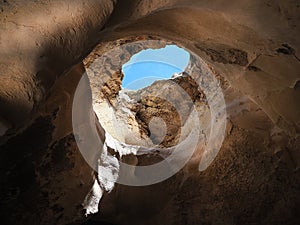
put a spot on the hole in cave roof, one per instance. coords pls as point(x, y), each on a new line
point(150, 65)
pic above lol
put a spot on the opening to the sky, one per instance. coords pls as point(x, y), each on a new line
point(150, 65)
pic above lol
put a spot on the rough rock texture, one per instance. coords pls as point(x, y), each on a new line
point(164, 100)
point(112, 86)
point(44, 178)
point(170, 100)
point(39, 41)
point(252, 45)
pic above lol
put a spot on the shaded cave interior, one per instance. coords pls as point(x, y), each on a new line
point(251, 49)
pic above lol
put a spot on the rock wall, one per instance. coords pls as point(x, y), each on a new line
point(252, 46)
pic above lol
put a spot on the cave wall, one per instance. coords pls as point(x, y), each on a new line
point(253, 45)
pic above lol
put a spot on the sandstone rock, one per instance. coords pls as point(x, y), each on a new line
point(252, 48)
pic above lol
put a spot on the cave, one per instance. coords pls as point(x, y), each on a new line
point(95, 131)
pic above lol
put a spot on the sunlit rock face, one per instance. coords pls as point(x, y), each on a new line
point(128, 115)
point(252, 48)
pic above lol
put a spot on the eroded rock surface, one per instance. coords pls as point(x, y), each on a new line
point(251, 46)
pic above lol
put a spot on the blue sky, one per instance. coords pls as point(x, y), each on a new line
point(153, 64)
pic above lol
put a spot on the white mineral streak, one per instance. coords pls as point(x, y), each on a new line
point(92, 200)
point(108, 169)
point(121, 148)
